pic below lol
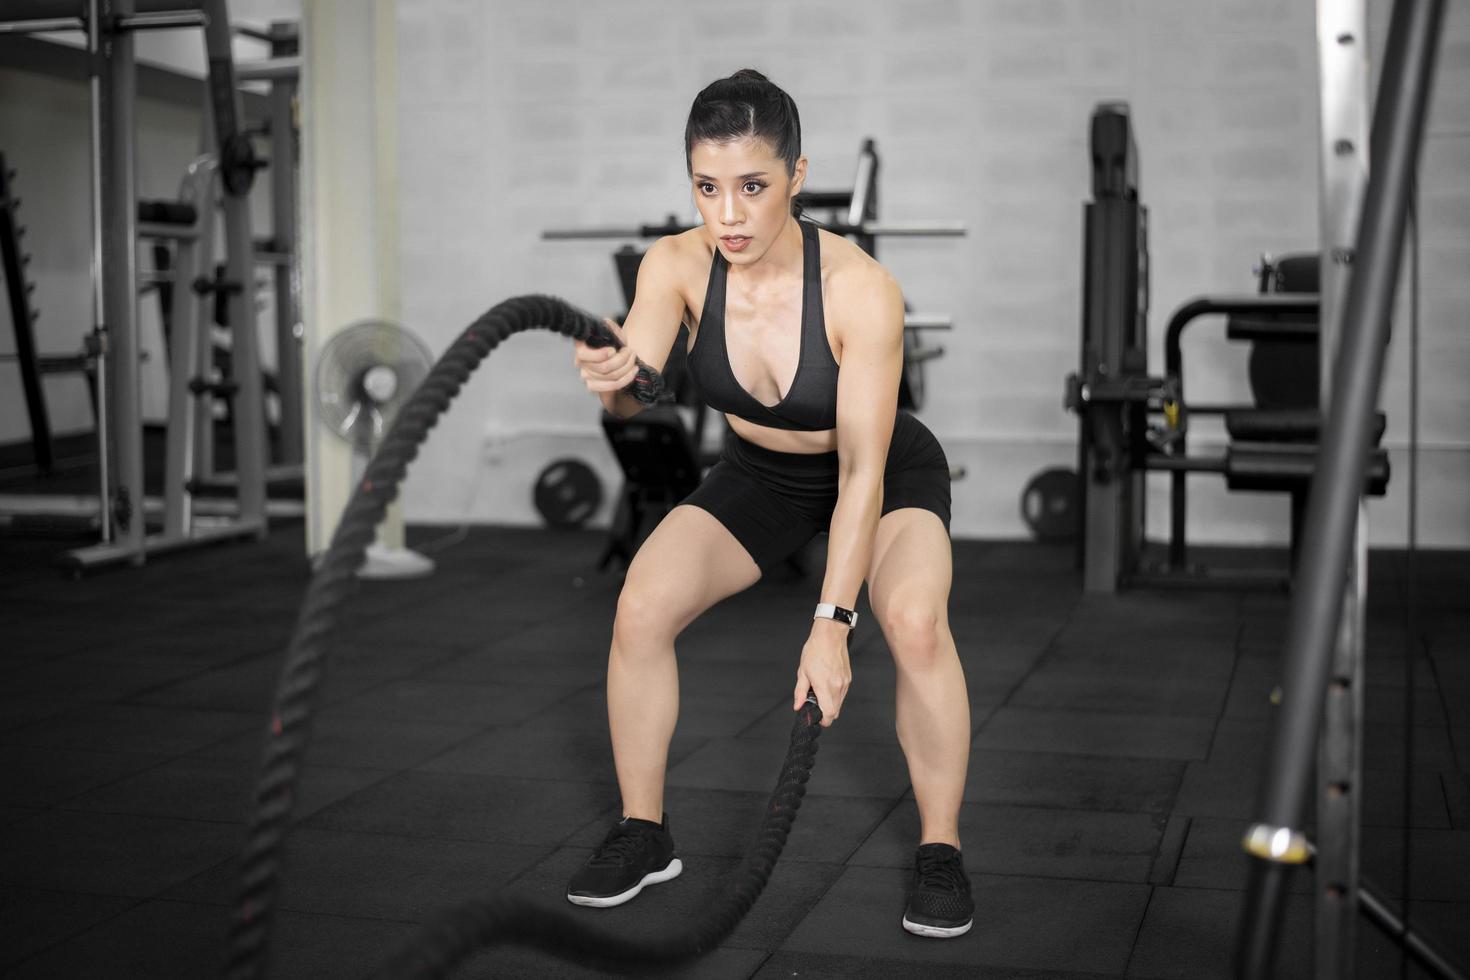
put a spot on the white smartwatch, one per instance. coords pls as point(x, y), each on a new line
point(826, 610)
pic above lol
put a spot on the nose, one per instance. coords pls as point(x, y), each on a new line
point(728, 213)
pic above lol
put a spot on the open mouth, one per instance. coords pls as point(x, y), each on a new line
point(735, 243)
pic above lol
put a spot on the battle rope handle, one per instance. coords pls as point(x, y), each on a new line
point(335, 580)
point(451, 937)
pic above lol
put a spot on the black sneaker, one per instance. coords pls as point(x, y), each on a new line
point(940, 907)
point(634, 853)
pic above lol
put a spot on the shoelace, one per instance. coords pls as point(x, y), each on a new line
point(619, 847)
point(940, 874)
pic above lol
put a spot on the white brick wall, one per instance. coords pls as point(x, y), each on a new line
point(524, 114)
point(980, 111)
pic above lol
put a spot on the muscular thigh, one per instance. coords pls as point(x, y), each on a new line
point(689, 563)
point(911, 563)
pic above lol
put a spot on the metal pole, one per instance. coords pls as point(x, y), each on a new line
point(1419, 949)
point(1276, 841)
point(43, 26)
point(1343, 163)
point(119, 209)
point(99, 328)
point(16, 11)
point(249, 405)
point(283, 173)
point(880, 229)
point(272, 69)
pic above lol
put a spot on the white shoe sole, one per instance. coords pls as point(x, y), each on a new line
point(670, 872)
point(936, 932)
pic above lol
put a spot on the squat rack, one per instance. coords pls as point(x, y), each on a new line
point(109, 26)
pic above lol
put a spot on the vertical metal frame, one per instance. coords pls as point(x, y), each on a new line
point(189, 410)
point(283, 174)
point(116, 75)
point(1324, 632)
point(1342, 65)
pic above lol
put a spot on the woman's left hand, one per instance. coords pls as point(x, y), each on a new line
point(824, 669)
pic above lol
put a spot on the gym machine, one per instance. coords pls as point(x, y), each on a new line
point(1131, 422)
point(118, 221)
point(661, 458)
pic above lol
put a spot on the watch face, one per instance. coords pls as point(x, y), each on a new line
point(845, 616)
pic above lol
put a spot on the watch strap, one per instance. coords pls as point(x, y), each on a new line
point(827, 610)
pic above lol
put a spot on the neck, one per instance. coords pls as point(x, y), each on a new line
point(783, 259)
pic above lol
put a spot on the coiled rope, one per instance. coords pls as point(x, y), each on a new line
point(454, 935)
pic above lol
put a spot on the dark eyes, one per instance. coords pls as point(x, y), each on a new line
point(750, 187)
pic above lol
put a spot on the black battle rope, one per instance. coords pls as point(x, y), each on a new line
point(457, 934)
point(451, 937)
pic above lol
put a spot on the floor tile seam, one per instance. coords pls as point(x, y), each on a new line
point(1444, 705)
point(231, 661)
point(1444, 797)
point(439, 837)
point(547, 851)
point(154, 688)
point(880, 821)
point(277, 906)
point(823, 794)
point(918, 963)
point(1138, 931)
point(339, 704)
point(1005, 700)
point(341, 916)
point(250, 812)
point(477, 732)
point(79, 933)
point(1059, 808)
point(57, 804)
point(816, 900)
point(761, 963)
point(1229, 684)
point(418, 766)
point(1123, 756)
point(776, 702)
point(6, 741)
point(1138, 712)
point(484, 730)
point(1019, 875)
point(415, 674)
point(544, 709)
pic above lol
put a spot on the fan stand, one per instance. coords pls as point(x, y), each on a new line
point(384, 561)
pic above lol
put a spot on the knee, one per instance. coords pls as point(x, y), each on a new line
point(914, 631)
point(646, 619)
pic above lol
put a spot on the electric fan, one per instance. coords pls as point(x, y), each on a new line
point(365, 374)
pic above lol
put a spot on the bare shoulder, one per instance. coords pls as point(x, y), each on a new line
point(681, 257)
point(859, 291)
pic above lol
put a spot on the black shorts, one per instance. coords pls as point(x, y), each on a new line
point(775, 502)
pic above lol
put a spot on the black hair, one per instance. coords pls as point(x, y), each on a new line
point(746, 103)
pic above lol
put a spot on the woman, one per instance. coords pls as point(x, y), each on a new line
point(774, 307)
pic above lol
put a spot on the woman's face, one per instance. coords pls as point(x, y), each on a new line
point(743, 194)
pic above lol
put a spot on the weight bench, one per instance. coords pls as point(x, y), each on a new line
point(1273, 442)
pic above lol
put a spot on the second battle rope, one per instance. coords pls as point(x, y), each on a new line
point(449, 939)
point(452, 937)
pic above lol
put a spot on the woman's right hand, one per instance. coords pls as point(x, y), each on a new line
point(606, 368)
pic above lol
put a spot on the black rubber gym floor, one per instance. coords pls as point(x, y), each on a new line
point(463, 748)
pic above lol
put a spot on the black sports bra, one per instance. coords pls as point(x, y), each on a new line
point(810, 404)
